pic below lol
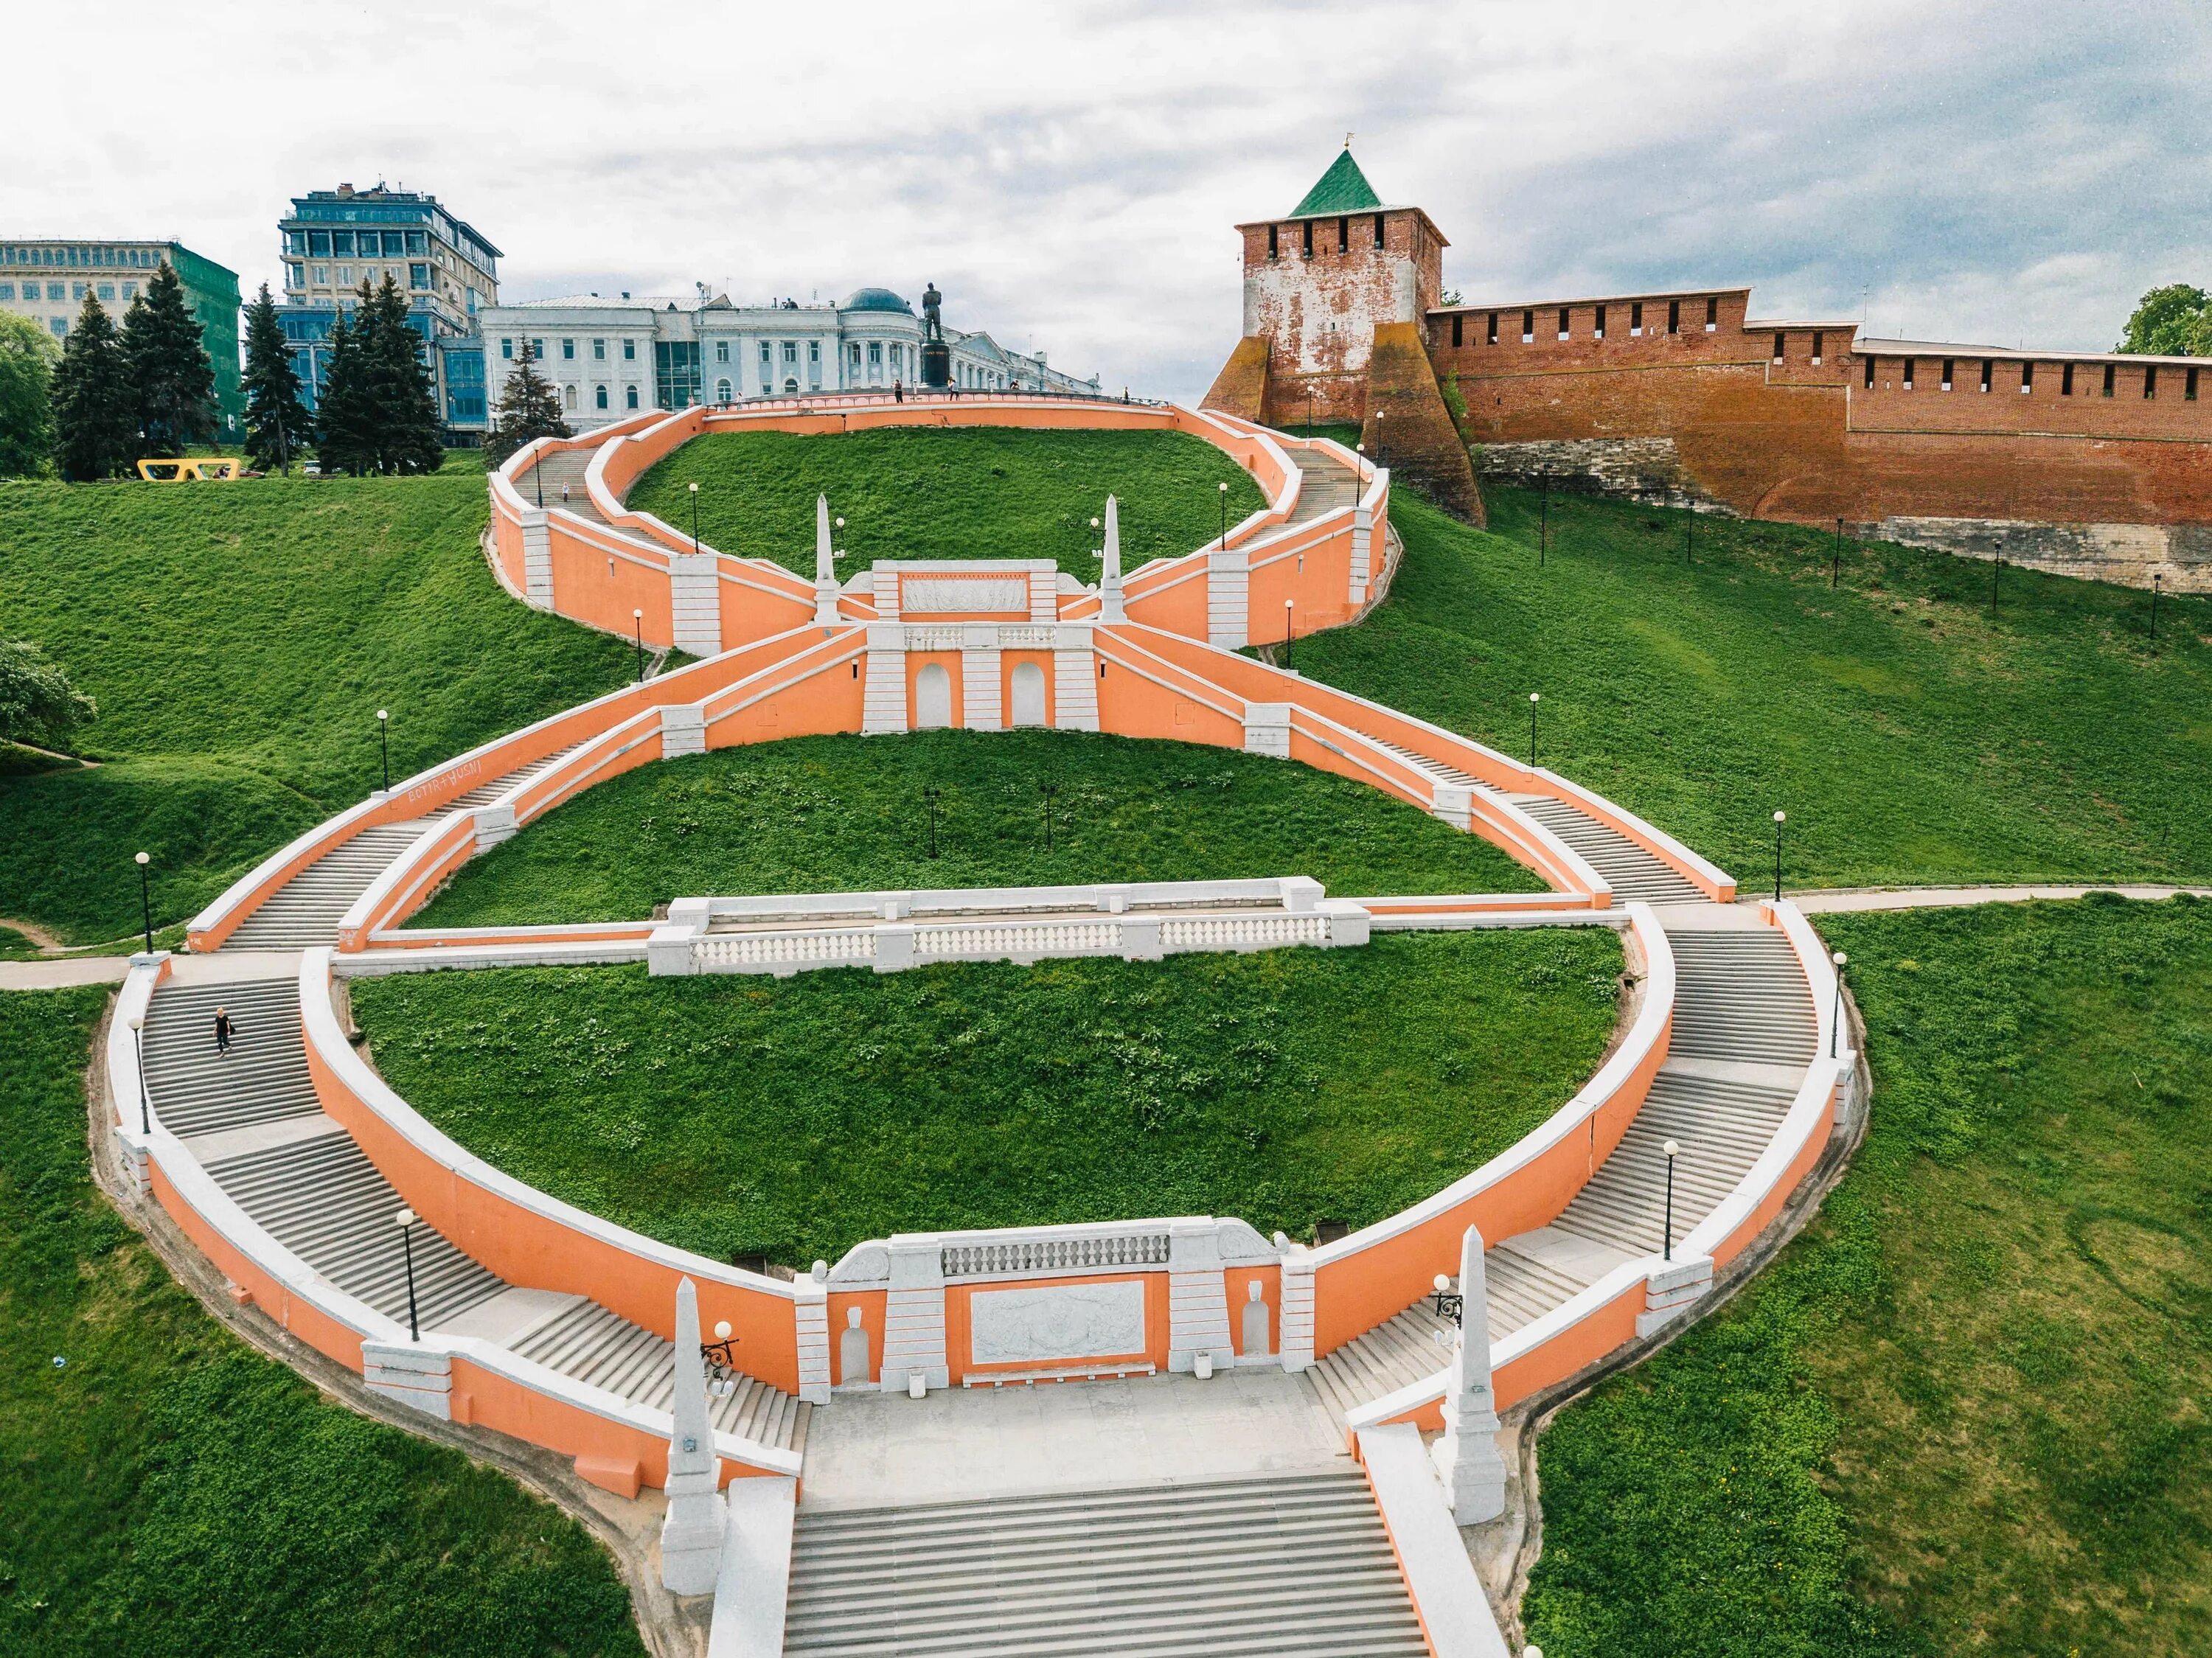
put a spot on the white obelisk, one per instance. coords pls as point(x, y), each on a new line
point(1110, 581)
point(692, 1536)
point(825, 568)
point(1466, 1456)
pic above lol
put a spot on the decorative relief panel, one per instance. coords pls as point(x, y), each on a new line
point(925, 594)
point(1056, 1323)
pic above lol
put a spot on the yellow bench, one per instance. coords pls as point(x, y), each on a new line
point(209, 470)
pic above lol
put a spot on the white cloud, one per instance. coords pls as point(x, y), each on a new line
point(1068, 174)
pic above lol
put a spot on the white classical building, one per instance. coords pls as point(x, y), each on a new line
point(612, 357)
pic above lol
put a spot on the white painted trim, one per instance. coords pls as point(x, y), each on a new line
point(1448, 1597)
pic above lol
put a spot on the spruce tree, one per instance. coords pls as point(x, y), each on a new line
point(528, 409)
point(95, 410)
point(403, 429)
point(341, 419)
point(169, 366)
point(277, 424)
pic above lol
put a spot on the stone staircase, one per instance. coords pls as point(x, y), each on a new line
point(1629, 870)
point(564, 467)
point(1328, 484)
point(306, 911)
point(1282, 1566)
point(252, 1119)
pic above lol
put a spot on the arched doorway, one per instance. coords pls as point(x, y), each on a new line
point(933, 698)
point(1029, 694)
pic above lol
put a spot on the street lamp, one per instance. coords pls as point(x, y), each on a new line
point(1379, 416)
point(1287, 636)
point(695, 519)
point(1533, 698)
point(146, 897)
point(839, 552)
point(637, 619)
point(1448, 1302)
point(405, 1220)
point(1836, 565)
point(1224, 515)
point(2156, 576)
point(384, 743)
point(137, 1022)
point(1996, 574)
point(1098, 551)
point(1836, 1023)
point(1670, 1148)
point(1780, 818)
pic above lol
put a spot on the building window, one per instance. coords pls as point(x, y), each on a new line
point(2189, 387)
point(1819, 341)
point(2150, 381)
point(1674, 316)
point(7, 290)
point(76, 290)
point(294, 276)
point(722, 390)
point(57, 325)
point(567, 350)
point(2108, 380)
point(506, 350)
point(1869, 373)
point(1275, 244)
point(537, 349)
point(418, 276)
point(2026, 378)
point(1947, 374)
point(791, 355)
point(598, 351)
point(1308, 227)
point(1635, 319)
point(130, 290)
point(1599, 330)
point(1378, 230)
point(629, 396)
point(1909, 366)
point(1565, 318)
point(1344, 235)
point(322, 276)
point(2066, 381)
point(318, 245)
point(568, 397)
point(107, 290)
point(1458, 329)
point(1493, 322)
point(599, 397)
point(1989, 368)
point(629, 350)
point(345, 275)
point(1778, 340)
point(722, 355)
point(1527, 327)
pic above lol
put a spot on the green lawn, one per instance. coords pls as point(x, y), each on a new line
point(978, 492)
point(826, 814)
point(796, 1117)
point(1970, 1410)
point(168, 1492)
point(1911, 738)
point(239, 639)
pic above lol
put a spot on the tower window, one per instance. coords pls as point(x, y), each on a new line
point(2150, 381)
point(1988, 370)
point(2108, 380)
point(1493, 329)
point(1674, 316)
point(1308, 227)
point(2189, 387)
point(1635, 319)
point(1458, 322)
point(2066, 381)
point(1819, 340)
point(1563, 315)
point(1778, 340)
point(2026, 378)
point(1344, 235)
point(1948, 365)
point(1599, 332)
point(1869, 373)
point(1274, 243)
point(1909, 366)
point(1712, 315)
point(1378, 230)
point(1528, 326)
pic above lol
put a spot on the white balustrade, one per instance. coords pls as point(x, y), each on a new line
point(1022, 1257)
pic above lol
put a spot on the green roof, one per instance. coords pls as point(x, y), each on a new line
point(1343, 189)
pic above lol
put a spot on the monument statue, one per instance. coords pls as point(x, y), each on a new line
point(936, 355)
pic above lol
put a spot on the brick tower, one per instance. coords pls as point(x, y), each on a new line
point(1336, 297)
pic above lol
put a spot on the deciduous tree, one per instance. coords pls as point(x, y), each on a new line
point(2173, 321)
point(38, 704)
point(27, 412)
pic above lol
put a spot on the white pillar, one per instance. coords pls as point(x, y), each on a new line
point(1110, 580)
point(692, 1536)
point(825, 566)
point(1466, 1458)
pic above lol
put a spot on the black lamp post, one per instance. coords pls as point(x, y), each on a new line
point(1836, 1024)
point(1533, 698)
point(1286, 635)
point(146, 897)
point(405, 1219)
point(930, 795)
point(537, 473)
point(1225, 517)
point(1780, 818)
point(2156, 576)
point(138, 1042)
point(1379, 449)
point(694, 518)
point(637, 619)
point(1689, 536)
point(1450, 1302)
point(1996, 574)
point(1836, 564)
point(384, 743)
point(1667, 1252)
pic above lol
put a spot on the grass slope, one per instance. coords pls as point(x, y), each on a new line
point(239, 640)
point(797, 1117)
point(1966, 1412)
point(817, 814)
point(168, 1491)
point(1911, 738)
point(978, 492)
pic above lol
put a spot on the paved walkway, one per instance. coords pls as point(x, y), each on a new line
point(1845, 900)
point(61, 972)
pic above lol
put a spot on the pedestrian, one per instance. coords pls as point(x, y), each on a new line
point(224, 1031)
point(564, 494)
point(898, 392)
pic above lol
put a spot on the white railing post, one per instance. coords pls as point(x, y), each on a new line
point(1298, 1306)
point(913, 1316)
point(1198, 1300)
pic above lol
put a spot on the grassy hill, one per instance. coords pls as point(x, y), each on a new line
point(1912, 737)
point(239, 639)
point(1966, 1412)
point(170, 1492)
point(820, 814)
point(981, 492)
point(796, 1117)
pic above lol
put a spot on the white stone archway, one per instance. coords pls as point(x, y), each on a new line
point(1028, 695)
point(933, 698)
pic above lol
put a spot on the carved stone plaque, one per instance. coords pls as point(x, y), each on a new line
point(1057, 1323)
point(922, 594)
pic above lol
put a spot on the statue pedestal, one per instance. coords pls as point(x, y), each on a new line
point(936, 363)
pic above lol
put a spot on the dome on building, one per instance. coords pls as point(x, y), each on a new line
point(875, 299)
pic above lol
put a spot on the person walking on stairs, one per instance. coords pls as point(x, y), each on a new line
point(224, 1031)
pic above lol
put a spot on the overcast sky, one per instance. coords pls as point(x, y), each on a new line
point(1068, 172)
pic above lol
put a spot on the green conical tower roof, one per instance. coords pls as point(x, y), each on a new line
point(1343, 189)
